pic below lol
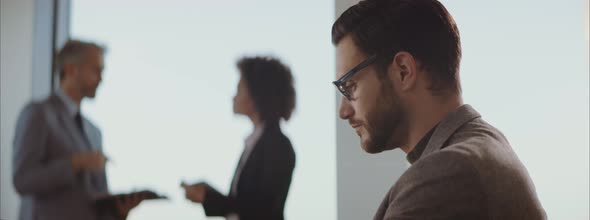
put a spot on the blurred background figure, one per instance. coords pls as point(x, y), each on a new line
point(58, 164)
point(261, 181)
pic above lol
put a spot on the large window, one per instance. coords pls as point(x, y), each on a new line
point(165, 104)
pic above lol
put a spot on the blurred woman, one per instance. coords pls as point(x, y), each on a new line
point(262, 178)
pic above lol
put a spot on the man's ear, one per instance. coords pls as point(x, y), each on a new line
point(403, 70)
point(69, 70)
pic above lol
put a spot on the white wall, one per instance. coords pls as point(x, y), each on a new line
point(25, 75)
point(16, 31)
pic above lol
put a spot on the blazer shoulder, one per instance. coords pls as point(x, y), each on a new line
point(442, 179)
point(438, 167)
point(35, 109)
point(277, 144)
point(481, 143)
point(275, 137)
point(441, 163)
point(479, 133)
point(504, 178)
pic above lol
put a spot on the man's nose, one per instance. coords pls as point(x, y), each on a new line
point(345, 110)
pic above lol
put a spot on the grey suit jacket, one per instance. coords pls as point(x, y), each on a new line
point(468, 170)
point(46, 137)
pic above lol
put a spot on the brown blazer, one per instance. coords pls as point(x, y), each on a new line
point(468, 170)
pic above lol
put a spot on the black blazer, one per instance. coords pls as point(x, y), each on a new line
point(263, 184)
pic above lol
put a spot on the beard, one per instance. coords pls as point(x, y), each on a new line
point(384, 122)
point(88, 90)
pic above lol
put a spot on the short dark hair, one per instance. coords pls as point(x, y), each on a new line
point(423, 28)
point(72, 52)
point(270, 85)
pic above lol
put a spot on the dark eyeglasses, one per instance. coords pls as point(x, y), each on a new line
point(341, 83)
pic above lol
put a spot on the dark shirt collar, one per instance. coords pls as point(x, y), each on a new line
point(415, 154)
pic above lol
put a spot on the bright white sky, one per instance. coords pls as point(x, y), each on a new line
point(165, 104)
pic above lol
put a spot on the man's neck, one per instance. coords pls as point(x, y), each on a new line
point(74, 95)
point(428, 115)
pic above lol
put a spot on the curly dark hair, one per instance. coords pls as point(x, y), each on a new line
point(423, 28)
point(270, 84)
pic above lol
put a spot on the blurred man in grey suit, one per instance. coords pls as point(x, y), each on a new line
point(58, 159)
point(398, 71)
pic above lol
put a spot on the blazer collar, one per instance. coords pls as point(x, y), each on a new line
point(69, 126)
point(448, 126)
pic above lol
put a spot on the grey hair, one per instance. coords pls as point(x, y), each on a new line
point(71, 53)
